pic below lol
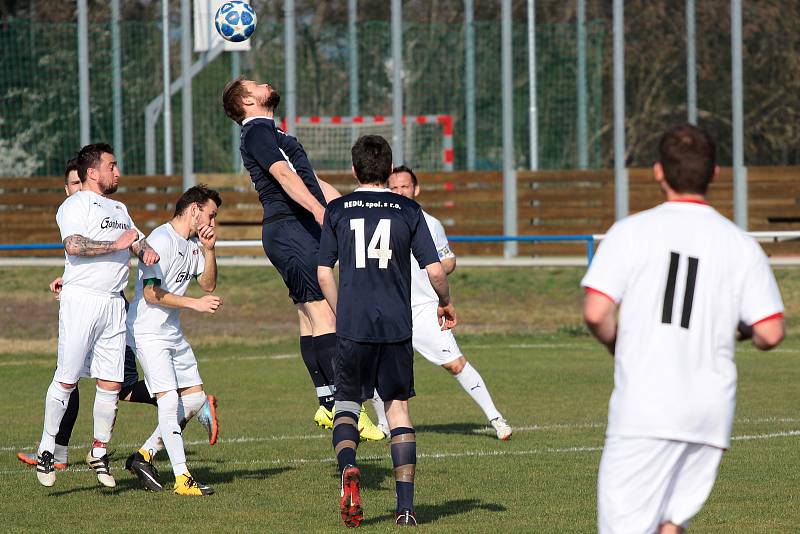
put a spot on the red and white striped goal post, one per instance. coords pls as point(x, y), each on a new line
point(446, 121)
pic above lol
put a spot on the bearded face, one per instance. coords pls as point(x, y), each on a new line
point(272, 101)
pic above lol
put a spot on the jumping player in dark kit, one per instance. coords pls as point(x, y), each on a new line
point(294, 201)
point(372, 232)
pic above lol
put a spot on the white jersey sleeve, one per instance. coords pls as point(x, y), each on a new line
point(761, 298)
point(440, 239)
point(160, 242)
point(608, 273)
point(73, 216)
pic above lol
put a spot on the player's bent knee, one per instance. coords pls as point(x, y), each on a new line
point(67, 386)
point(456, 366)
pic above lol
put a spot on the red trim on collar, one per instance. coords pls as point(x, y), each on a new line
point(690, 201)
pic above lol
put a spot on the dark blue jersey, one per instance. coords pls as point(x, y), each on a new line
point(263, 144)
point(372, 232)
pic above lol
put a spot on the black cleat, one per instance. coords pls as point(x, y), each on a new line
point(406, 518)
point(145, 471)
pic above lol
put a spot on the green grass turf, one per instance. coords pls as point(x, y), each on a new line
point(274, 471)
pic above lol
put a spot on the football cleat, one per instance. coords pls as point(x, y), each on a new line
point(186, 485)
point(502, 428)
point(145, 471)
point(406, 518)
point(324, 417)
point(207, 416)
point(102, 469)
point(367, 428)
point(350, 497)
point(45, 471)
point(31, 459)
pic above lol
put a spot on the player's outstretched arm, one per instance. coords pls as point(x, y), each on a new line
point(208, 238)
point(154, 294)
point(328, 190)
point(599, 313)
point(766, 335)
point(296, 189)
point(142, 250)
point(328, 285)
point(78, 245)
point(446, 312)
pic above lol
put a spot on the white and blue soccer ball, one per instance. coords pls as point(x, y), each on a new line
point(235, 21)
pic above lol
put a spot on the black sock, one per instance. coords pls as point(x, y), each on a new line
point(138, 393)
point(345, 438)
point(325, 350)
point(70, 416)
point(404, 460)
point(324, 390)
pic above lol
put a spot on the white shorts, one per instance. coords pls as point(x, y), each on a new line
point(645, 482)
point(167, 364)
point(91, 336)
point(435, 345)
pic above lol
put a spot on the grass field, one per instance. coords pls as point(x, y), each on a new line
point(274, 471)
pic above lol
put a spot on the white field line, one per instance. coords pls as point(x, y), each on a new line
point(441, 455)
point(487, 430)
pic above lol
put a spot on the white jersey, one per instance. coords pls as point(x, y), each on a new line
point(180, 261)
point(98, 218)
point(685, 277)
point(421, 289)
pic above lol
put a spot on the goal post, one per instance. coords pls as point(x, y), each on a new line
point(428, 139)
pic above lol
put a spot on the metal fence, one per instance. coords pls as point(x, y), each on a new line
point(39, 79)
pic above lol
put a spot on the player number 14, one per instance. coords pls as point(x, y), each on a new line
point(378, 247)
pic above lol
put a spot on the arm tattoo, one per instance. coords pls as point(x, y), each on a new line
point(140, 247)
point(78, 245)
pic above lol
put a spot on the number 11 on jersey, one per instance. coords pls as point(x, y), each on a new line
point(378, 247)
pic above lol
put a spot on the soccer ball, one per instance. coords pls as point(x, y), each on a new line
point(235, 21)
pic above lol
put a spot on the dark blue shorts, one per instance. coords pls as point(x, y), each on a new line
point(362, 368)
point(292, 246)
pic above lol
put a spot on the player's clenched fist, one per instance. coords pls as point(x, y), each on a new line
point(207, 236)
point(447, 316)
point(208, 304)
point(127, 239)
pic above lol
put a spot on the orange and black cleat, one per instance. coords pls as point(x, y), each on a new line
point(350, 500)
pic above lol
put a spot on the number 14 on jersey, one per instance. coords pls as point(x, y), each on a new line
point(378, 247)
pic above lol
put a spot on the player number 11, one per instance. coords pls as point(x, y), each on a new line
point(378, 247)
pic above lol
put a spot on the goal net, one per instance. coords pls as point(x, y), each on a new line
point(427, 139)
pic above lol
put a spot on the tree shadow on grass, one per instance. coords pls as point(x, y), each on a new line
point(430, 513)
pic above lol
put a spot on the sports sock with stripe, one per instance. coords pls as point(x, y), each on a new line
point(67, 424)
point(325, 350)
point(404, 460)
point(473, 384)
point(345, 433)
point(171, 431)
point(105, 414)
point(55, 404)
point(323, 389)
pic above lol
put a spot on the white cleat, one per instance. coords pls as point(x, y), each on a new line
point(384, 428)
point(101, 469)
point(45, 471)
point(502, 428)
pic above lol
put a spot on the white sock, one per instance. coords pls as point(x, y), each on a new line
point(105, 414)
point(55, 404)
point(189, 406)
point(171, 431)
point(60, 454)
point(154, 443)
point(473, 384)
point(380, 409)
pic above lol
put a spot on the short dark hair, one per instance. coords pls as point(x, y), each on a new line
point(372, 159)
point(232, 99)
point(72, 165)
point(688, 156)
point(89, 157)
point(199, 194)
point(403, 168)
